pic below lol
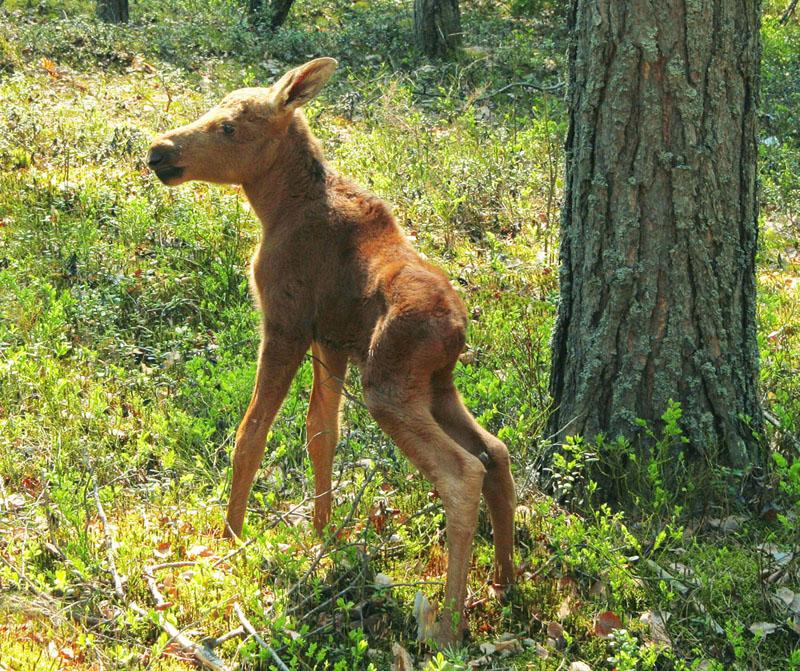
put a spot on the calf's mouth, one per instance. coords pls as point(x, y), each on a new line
point(168, 173)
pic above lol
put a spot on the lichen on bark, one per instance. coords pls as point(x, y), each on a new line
point(659, 225)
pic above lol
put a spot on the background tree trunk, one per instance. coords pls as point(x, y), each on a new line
point(113, 11)
point(279, 11)
point(437, 25)
point(659, 225)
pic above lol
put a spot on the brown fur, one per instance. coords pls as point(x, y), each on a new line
point(334, 272)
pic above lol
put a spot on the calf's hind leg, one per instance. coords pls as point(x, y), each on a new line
point(322, 425)
point(457, 476)
point(498, 485)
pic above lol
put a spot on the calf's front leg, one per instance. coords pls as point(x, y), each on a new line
point(278, 362)
point(322, 425)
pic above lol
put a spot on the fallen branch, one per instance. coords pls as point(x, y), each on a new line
point(203, 655)
point(109, 541)
point(527, 85)
point(788, 13)
point(232, 553)
point(250, 629)
point(44, 596)
point(323, 550)
point(213, 642)
point(161, 602)
point(171, 564)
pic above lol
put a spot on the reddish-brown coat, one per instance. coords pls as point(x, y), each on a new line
point(334, 272)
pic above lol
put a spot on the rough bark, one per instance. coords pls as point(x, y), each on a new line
point(113, 11)
point(437, 26)
point(659, 225)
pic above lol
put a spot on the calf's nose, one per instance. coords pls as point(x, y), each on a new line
point(161, 154)
point(156, 156)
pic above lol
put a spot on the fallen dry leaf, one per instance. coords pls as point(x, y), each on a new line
point(14, 502)
point(598, 589)
point(487, 648)
point(555, 631)
point(50, 68)
point(606, 623)
point(790, 599)
point(198, 551)
point(729, 523)
point(383, 580)
point(657, 621)
point(579, 666)
point(763, 628)
point(507, 646)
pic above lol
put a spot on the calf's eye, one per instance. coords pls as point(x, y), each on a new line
point(228, 129)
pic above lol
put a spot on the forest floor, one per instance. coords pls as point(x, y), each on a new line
point(128, 342)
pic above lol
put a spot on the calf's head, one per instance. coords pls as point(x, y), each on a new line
point(240, 137)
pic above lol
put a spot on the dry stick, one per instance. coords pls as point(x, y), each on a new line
point(213, 642)
point(250, 629)
point(528, 85)
point(161, 602)
point(788, 13)
point(331, 536)
point(109, 542)
point(232, 553)
point(203, 655)
point(370, 557)
point(185, 564)
point(31, 585)
point(171, 564)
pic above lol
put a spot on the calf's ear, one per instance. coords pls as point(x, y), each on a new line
point(301, 84)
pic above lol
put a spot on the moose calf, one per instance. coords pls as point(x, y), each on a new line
point(335, 273)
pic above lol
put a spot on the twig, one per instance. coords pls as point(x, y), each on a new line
point(31, 585)
point(527, 85)
point(170, 564)
point(788, 13)
point(213, 642)
point(250, 629)
point(202, 654)
point(109, 541)
point(232, 553)
point(323, 550)
point(161, 602)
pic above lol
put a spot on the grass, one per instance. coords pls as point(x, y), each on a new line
point(128, 340)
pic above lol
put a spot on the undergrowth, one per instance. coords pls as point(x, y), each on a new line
point(128, 343)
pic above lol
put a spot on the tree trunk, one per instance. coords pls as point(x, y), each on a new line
point(437, 25)
point(279, 11)
point(113, 11)
point(659, 226)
